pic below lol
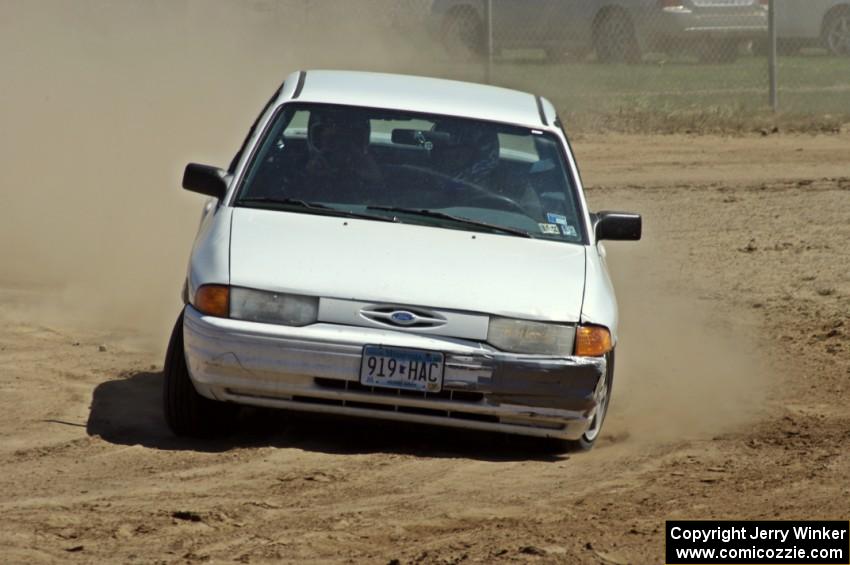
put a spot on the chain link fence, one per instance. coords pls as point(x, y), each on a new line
point(673, 65)
point(638, 64)
point(667, 64)
point(813, 56)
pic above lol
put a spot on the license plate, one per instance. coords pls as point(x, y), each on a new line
point(410, 369)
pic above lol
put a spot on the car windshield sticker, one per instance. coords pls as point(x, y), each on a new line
point(550, 229)
point(556, 219)
point(569, 230)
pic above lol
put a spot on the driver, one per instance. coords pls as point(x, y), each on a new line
point(471, 155)
point(339, 167)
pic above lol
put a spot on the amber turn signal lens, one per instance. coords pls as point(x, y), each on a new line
point(213, 300)
point(593, 341)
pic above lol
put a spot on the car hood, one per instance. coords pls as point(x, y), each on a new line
point(404, 264)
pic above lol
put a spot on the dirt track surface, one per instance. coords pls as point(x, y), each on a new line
point(730, 402)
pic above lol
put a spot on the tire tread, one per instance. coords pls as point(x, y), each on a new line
point(187, 413)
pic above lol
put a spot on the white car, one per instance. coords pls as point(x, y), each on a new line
point(814, 23)
point(401, 248)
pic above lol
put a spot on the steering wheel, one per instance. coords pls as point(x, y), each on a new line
point(478, 194)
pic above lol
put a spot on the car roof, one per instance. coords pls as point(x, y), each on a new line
point(419, 94)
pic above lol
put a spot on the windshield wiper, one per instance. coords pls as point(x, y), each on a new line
point(313, 207)
point(290, 201)
point(458, 219)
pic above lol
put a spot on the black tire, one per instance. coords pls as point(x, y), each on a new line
point(836, 31)
point(588, 438)
point(187, 413)
point(463, 34)
point(719, 51)
point(614, 38)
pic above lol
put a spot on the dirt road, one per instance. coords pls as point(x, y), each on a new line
point(730, 402)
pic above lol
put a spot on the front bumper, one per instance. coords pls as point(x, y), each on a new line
point(317, 369)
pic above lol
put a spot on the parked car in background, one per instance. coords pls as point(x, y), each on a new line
point(400, 248)
point(813, 23)
point(615, 30)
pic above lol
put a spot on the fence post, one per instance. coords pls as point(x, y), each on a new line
point(488, 71)
point(771, 54)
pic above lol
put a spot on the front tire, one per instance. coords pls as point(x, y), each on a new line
point(589, 437)
point(187, 413)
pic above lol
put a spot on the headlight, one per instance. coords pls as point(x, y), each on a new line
point(521, 336)
point(273, 307)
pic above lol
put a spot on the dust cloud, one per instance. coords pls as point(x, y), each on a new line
point(686, 368)
point(102, 103)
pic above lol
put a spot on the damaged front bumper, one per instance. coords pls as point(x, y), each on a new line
point(317, 369)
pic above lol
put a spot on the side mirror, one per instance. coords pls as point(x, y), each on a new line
point(205, 179)
point(618, 226)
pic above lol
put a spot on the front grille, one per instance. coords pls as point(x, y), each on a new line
point(452, 395)
point(405, 318)
point(444, 395)
point(313, 400)
point(453, 410)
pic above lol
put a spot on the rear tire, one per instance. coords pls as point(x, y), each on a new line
point(588, 438)
point(187, 413)
point(836, 31)
point(614, 38)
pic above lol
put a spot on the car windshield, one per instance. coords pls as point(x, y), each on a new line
point(407, 167)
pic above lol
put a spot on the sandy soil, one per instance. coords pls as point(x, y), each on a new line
point(730, 402)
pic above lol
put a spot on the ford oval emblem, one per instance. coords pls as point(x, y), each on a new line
point(403, 317)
